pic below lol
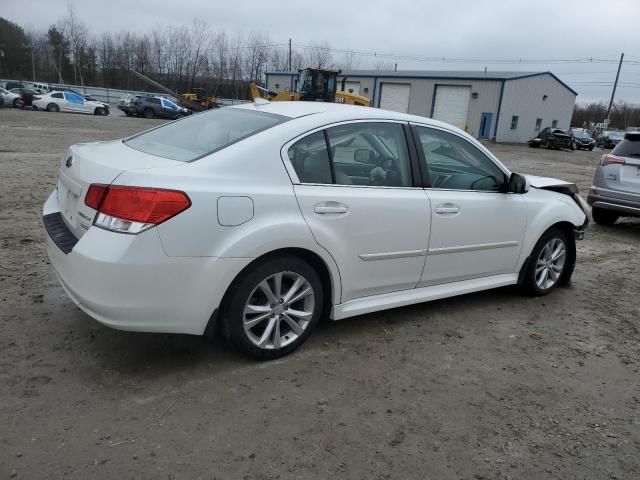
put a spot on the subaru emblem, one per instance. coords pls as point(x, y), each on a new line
point(69, 162)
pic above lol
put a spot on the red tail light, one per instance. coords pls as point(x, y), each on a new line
point(134, 209)
point(611, 159)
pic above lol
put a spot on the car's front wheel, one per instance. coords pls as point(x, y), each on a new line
point(272, 308)
point(550, 263)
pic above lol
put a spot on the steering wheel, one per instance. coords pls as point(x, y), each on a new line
point(473, 184)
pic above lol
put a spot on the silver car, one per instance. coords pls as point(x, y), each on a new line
point(616, 185)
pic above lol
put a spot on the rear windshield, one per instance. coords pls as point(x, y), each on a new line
point(628, 147)
point(194, 137)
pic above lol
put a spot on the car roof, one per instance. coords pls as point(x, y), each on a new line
point(298, 109)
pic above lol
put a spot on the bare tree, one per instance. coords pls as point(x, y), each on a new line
point(319, 56)
point(349, 61)
point(77, 35)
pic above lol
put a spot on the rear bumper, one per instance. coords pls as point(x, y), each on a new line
point(609, 203)
point(127, 282)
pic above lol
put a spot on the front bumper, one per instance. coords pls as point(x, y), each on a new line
point(128, 282)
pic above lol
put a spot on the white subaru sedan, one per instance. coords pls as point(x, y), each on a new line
point(69, 102)
point(264, 218)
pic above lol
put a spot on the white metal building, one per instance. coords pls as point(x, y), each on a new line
point(505, 106)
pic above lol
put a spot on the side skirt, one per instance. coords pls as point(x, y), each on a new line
point(385, 301)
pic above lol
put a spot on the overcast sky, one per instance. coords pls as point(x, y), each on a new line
point(485, 31)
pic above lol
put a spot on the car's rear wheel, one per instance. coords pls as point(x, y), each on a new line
point(604, 217)
point(272, 308)
point(148, 113)
point(549, 264)
point(52, 107)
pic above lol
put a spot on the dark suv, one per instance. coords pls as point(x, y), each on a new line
point(609, 139)
point(160, 107)
point(616, 185)
point(551, 138)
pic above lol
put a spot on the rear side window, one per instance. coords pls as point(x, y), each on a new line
point(310, 159)
point(199, 135)
point(57, 95)
point(629, 147)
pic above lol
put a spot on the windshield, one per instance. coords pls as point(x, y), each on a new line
point(581, 135)
point(194, 137)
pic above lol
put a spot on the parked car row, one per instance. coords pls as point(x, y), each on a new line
point(576, 139)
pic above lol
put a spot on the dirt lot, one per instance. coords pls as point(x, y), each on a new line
point(491, 385)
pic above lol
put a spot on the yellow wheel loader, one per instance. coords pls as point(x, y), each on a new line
point(315, 85)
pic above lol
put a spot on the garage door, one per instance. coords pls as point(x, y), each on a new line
point(395, 96)
point(353, 87)
point(452, 104)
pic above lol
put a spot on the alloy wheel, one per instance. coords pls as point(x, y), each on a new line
point(278, 310)
point(550, 263)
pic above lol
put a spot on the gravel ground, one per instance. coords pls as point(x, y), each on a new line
point(491, 385)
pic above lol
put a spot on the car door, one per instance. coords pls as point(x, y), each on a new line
point(58, 99)
point(477, 228)
point(355, 187)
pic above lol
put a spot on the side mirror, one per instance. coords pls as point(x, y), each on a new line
point(518, 184)
point(362, 155)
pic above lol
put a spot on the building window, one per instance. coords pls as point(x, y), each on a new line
point(538, 124)
point(514, 122)
point(554, 123)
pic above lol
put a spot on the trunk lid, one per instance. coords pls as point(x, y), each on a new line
point(99, 162)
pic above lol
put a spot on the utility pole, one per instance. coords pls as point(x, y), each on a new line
point(33, 65)
point(289, 54)
point(613, 94)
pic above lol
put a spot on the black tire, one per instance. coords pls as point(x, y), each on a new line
point(18, 103)
point(591, 149)
point(232, 310)
point(527, 281)
point(148, 113)
point(128, 114)
point(549, 145)
point(99, 111)
point(52, 107)
point(604, 217)
point(1, 100)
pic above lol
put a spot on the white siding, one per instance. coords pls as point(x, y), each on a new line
point(524, 98)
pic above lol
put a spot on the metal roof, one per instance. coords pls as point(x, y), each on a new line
point(435, 74)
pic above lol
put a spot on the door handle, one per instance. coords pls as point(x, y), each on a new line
point(330, 207)
point(447, 209)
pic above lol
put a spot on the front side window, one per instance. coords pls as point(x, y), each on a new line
point(514, 122)
point(200, 135)
point(169, 104)
point(370, 153)
point(453, 163)
point(73, 98)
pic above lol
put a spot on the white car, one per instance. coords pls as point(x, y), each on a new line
point(10, 98)
point(69, 102)
point(265, 217)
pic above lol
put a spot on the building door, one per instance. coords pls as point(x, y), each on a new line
point(485, 125)
point(452, 104)
point(395, 96)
